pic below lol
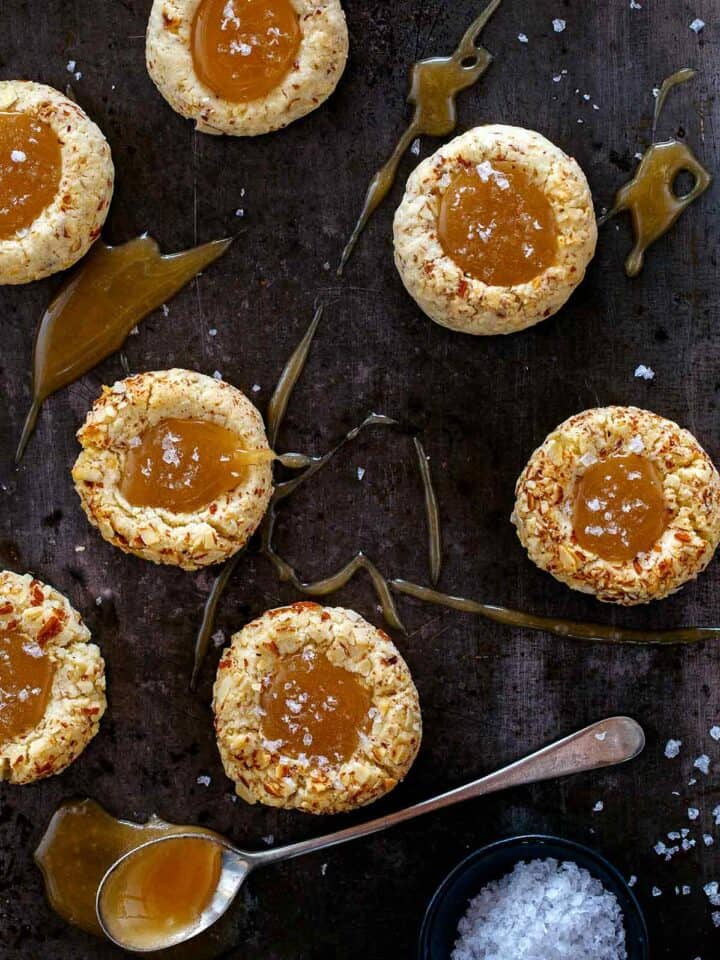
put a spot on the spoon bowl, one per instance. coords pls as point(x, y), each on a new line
point(602, 744)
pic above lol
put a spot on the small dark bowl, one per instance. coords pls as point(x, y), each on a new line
point(450, 901)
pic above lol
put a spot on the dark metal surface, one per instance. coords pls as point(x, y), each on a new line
point(488, 694)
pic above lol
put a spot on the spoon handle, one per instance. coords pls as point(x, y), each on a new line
point(602, 744)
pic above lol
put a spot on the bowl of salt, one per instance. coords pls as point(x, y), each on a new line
point(534, 898)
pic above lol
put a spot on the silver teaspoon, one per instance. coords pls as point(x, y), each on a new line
point(602, 744)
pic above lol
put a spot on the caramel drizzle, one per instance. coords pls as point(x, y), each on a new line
point(93, 312)
point(434, 85)
point(383, 586)
point(433, 514)
point(649, 196)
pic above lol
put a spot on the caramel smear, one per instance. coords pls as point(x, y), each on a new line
point(315, 707)
point(650, 196)
point(497, 225)
point(26, 675)
point(30, 170)
point(619, 508)
point(434, 85)
point(161, 893)
point(82, 842)
point(183, 465)
point(94, 311)
point(242, 49)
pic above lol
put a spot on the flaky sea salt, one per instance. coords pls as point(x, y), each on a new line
point(672, 748)
point(703, 763)
point(558, 25)
point(697, 25)
point(543, 910)
point(644, 373)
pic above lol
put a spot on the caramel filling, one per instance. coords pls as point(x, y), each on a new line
point(315, 708)
point(30, 169)
point(26, 675)
point(183, 465)
point(619, 508)
point(242, 49)
point(161, 892)
point(497, 225)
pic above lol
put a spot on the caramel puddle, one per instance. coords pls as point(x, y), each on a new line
point(94, 311)
point(80, 844)
point(650, 196)
point(434, 85)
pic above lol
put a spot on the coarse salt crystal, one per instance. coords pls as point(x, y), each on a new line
point(644, 373)
point(711, 889)
point(598, 806)
point(558, 25)
point(70, 66)
point(269, 839)
point(636, 444)
point(256, 388)
point(672, 748)
point(656, 892)
point(415, 147)
point(634, 5)
point(212, 332)
point(716, 815)
point(703, 763)
point(165, 310)
point(522, 38)
point(204, 781)
point(561, 910)
point(697, 25)
point(217, 375)
point(715, 733)
point(716, 918)
point(360, 472)
point(693, 813)
point(18, 156)
point(708, 840)
point(632, 881)
point(601, 736)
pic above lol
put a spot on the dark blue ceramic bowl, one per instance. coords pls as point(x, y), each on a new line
point(449, 903)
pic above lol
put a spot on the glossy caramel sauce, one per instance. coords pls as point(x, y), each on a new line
point(183, 465)
point(92, 314)
point(242, 49)
point(30, 170)
point(80, 844)
point(650, 197)
point(497, 225)
point(26, 675)
point(619, 509)
point(161, 893)
point(434, 85)
point(314, 707)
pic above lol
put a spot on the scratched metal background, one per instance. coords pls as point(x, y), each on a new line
point(489, 694)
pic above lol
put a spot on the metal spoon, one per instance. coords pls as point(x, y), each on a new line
point(602, 744)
